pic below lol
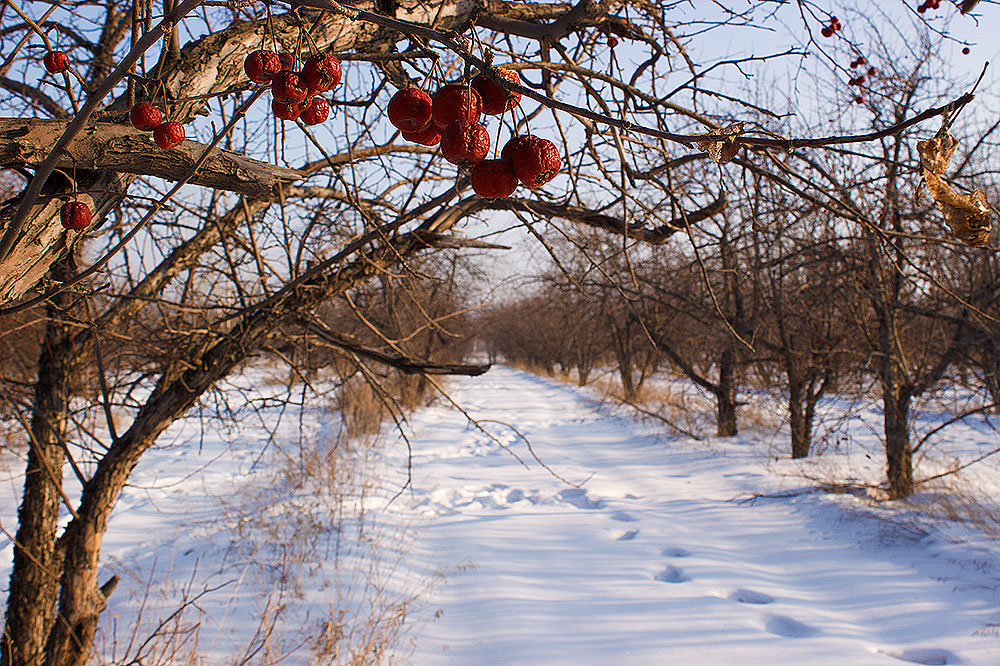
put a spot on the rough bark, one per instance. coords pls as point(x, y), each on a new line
point(800, 426)
point(898, 449)
point(119, 147)
point(32, 604)
point(584, 364)
point(34, 579)
point(725, 395)
point(806, 385)
point(625, 357)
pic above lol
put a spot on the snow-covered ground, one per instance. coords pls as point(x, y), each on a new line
point(631, 545)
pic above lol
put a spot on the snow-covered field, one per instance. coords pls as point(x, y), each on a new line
point(631, 545)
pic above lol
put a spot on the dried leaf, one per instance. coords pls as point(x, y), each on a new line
point(967, 215)
point(726, 149)
point(936, 153)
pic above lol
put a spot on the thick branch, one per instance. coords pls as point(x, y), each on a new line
point(407, 365)
point(114, 147)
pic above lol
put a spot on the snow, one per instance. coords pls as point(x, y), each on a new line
point(630, 545)
point(653, 562)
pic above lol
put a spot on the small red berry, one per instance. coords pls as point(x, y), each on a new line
point(168, 135)
point(145, 117)
point(826, 32)
point(317, 111)
point(464, 143)
point(494, 179)
point(858, 99)
point(495, 99)
point(56, 61)
point(455, 102)
point(261, 66)
point(612, 41)
point(854, 63)
point(966, 51)
point(921, 9)
point(74, 215)
point(322, 72)
point(872, 71)
point(288, 87)
point(862, 61)
point(287, 111)
point(536, 160)
point(429, 136)
point(410, 109)
point(860, 80)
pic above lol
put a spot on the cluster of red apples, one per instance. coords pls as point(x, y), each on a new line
point(296, 93)
point(451, 118)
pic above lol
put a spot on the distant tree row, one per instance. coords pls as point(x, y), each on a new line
point(777, 290)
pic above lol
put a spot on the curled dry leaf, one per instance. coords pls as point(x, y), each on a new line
point(726, 148)
point(967, 215)
point(935, 154)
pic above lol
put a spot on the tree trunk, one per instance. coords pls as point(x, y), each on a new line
point(799, 424)
point(898, 454)
point(725, 396)
point(34, 578)
point(583, 366)
point(624, 356)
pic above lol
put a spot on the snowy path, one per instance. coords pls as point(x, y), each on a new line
point(651, 563)
point(647, 562)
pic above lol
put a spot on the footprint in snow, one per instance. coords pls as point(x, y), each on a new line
point(675, 552)
point(624, 535)
point(930, 656)
point(578, 498)
point(750, 597)
point(672, 575)
point(623, 517)
point(515, 495)
point(787, 627)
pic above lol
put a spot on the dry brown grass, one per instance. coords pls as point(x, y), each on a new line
point(960, 499)
point(305, 527)
point(367, 402)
